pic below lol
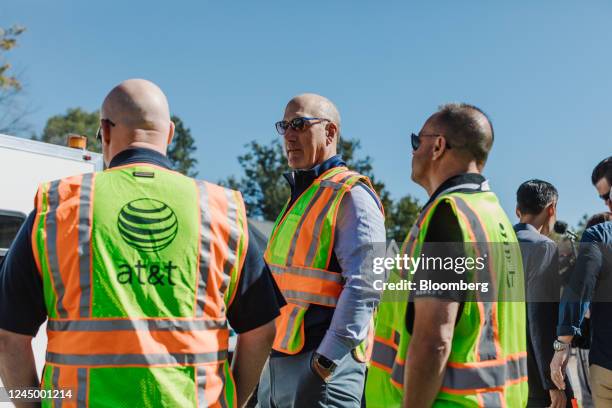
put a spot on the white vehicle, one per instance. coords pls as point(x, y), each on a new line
point(24, 164)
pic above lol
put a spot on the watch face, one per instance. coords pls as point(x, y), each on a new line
point(324, 362)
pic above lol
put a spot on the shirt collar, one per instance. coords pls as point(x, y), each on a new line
point(300, 179)
point(140, 155)
point(461, 182)
point(524, 226)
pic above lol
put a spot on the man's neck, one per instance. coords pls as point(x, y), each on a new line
point(446, 172)
point(534, 221)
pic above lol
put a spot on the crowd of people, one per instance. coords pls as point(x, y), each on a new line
point(140, 272)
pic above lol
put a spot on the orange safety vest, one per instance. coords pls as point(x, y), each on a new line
point(300, 250)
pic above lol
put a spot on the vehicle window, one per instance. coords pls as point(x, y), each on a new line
point(9, 225)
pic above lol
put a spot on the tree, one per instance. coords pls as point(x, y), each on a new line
point(12, 112)
point(265, 190)
point(182, 148)
point(77, 121)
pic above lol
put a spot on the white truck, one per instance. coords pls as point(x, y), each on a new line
point(23, 165)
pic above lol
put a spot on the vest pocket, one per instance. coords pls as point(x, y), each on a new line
point(290, 329)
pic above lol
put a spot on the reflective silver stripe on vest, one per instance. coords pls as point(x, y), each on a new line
point(134, 324)
point(51, 230)
point(55, 385)
point(84, 249)
point(296, 234)
point(486, 343)
point(469, 378)
point(205, 242)
point(82, 389)
point(310, 297)
point(135, 359)
point(223, 396)
point(383, 354)
point(492, 400)
point(397, 373)
point(289, 330)
point(308, 273)
point(316, 231)
point(200, 373)
point(234, 237)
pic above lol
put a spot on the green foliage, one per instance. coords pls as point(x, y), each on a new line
point(182, 148)
point(8, 40)
point(77, 121)
point(265, 190)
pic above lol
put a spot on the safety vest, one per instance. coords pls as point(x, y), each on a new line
point(139, 264)
point(299, 252)
point(487, 366)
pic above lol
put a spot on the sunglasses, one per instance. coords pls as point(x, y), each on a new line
point(298, 124)
point(415, 140)
point(99, 133)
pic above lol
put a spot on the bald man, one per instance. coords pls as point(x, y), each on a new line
point(139, 270)
point(456, 336)
point(320, 253)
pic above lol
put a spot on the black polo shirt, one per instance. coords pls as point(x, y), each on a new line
point(22, 308)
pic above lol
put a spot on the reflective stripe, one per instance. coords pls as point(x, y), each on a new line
point(51, 229)
point(307, 272)
point(55, 386)
point(383, 354)
point(84, 250)
point(135, 324)
point(200, 373)
point(397, 374)
point(311, 298)
point(82, 387)
point(223, 396)
point(316, 231)
point(232, 241)
point(135, 359)
point(486, 342)
point(474, 376)
point(492, 399)
point(296, 234)
point(289, 330)
point(205, 242)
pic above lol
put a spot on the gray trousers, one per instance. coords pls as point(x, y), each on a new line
point(290, 382)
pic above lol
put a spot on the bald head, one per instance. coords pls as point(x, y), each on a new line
point(137, 104)
point(136, 114)
point(316, 106)
point(466, 128)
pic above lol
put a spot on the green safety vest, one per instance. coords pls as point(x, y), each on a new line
point(487, 366)
point(299, 252)
point(139, 264)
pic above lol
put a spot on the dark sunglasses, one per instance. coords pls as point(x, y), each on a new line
point(99, 134)
point(298, 124)
point(415, 140)
point(607, 196)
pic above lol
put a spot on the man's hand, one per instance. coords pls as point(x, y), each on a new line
point(557, 367)
point(324, 372)
point(557, 398)
point(17, 368)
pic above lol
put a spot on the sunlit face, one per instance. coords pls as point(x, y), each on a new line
point(305, 148)
point(603, 188)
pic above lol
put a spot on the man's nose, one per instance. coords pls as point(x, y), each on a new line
point(290, 134)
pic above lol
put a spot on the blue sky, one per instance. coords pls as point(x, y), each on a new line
point(542, 70)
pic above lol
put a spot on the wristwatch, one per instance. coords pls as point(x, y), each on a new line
point(560, 346)
point(322, 366)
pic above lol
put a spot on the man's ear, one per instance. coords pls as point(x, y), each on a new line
point(517, 212)
point(171, 132)
point(551, 209)
point(439, 147)
point(331, 132)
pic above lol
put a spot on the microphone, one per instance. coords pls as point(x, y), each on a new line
point(561, 228)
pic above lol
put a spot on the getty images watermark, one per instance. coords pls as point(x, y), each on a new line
point(440, 273)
